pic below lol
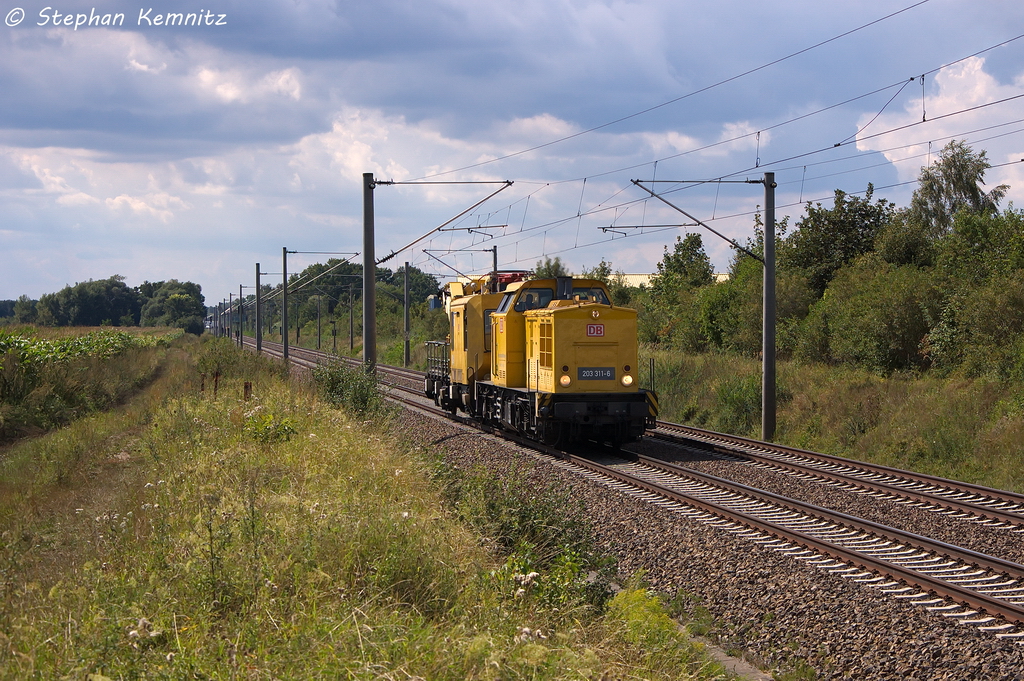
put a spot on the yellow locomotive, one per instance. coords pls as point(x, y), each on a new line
point(551, 359)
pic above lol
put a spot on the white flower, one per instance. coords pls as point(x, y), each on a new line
point(527, 634)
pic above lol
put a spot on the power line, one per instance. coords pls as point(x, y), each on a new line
point(680, 98)
point(902, 84)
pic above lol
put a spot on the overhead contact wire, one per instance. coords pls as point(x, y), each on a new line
point(682, 97)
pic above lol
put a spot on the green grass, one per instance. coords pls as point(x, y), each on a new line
point(199, 536)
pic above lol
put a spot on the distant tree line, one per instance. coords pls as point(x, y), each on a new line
point(937, 285)
point(111, 302)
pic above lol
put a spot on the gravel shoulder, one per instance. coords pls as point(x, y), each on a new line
point(782, 613)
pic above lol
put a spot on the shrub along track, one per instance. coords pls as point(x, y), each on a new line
point(890, 639)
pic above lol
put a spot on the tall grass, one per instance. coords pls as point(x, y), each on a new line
point(196, 543)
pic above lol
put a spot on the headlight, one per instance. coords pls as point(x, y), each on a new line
point(565, 381)
point(627, 380)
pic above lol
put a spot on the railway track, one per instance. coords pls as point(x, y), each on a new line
point(963, 501)
point(974, 588)
point(975, 503)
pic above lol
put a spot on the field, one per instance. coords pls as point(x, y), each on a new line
point(51, 376)
point(194, 534)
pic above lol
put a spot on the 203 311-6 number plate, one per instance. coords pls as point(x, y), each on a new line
point(595, 373)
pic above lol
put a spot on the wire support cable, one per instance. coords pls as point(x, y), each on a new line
point(682, 97)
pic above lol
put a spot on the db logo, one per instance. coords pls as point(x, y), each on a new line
point(595, 329)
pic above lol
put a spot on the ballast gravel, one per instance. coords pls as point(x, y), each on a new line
point(785, 615)
point(994, 541)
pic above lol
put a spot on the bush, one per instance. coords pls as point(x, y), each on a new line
point(535, 527)
point(874, 315)
point(220, 356)
point(981, 331)
point(351, 388)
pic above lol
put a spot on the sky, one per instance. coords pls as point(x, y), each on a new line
point(136, 145)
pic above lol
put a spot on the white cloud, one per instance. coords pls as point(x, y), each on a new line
point(157, 205)
point(235, 86)
point(537, 129)
point(671, 142)
point(963, 86)
point(76, 199)
point(134, 65)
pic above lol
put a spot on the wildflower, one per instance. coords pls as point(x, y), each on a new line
point(527, 634)
point(405, 514)
point(526, 580)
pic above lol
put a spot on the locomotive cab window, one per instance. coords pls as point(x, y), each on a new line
point(533, 299)
point(587, 294)
point(487, 330)
point(506, 302)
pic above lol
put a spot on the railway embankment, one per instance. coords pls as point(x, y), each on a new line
point(961, 428)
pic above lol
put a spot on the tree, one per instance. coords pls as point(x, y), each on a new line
point(90, 303)
point(828, 238)
point(549, 269)
point(981, 245)
point(905, 241)
point(951, 184)
point(24, 310)
point(600, 272)
point(421, 284)
point(686, 267)
point(175, 303)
